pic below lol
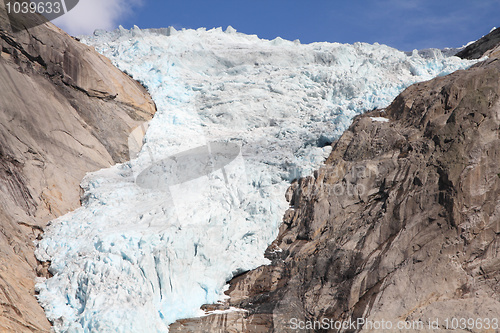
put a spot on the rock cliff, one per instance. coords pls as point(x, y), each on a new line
point(64, 110)
point(488, 45)
point(401, 225)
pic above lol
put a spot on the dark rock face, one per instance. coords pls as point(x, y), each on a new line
point(487, 45)
point(64, 111)
point(401, 224)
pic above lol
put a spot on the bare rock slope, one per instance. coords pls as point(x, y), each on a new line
point(488, 45)
point(402, 224)
point(64, 110)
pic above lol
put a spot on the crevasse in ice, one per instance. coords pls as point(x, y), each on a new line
point(137, 256)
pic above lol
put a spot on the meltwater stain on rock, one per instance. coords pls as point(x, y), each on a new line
point(188, 165)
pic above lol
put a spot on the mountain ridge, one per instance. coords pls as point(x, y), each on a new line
point(82, 123)
point(485, 46)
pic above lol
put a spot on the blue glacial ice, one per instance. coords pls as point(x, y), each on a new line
point(137, 256)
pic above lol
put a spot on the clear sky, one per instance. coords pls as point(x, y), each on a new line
point(404, 24)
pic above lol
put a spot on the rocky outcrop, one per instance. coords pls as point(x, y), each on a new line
point(488, 45)
point(65, 110)
point(401, 225)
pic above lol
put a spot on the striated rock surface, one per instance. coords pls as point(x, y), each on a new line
point(402, 224)
point(65, 110)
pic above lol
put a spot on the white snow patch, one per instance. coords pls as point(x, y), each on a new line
point(380, 119)
point(231, 309)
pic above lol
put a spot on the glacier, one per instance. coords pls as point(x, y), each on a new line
point(160, 235)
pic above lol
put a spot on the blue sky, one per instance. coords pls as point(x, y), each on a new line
point(404, 24)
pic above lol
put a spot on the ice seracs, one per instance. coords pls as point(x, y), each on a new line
point(135, 258)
